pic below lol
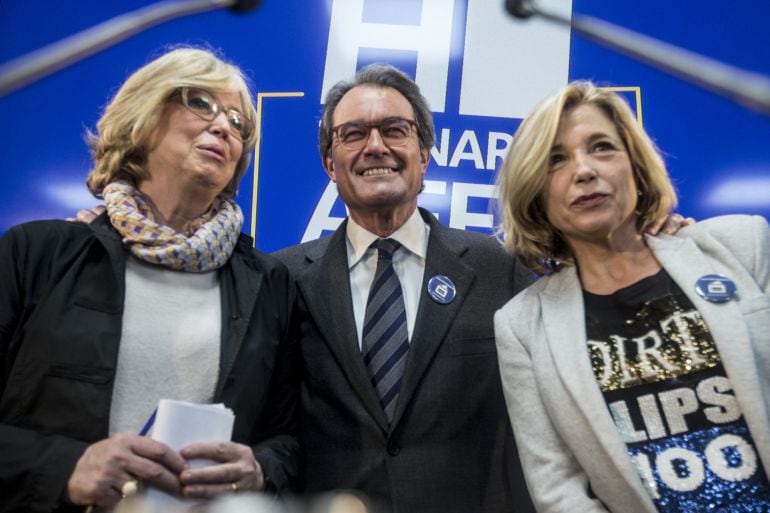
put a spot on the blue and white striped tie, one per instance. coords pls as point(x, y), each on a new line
point(385, 337)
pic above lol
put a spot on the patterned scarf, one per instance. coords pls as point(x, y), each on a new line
point(209, 247)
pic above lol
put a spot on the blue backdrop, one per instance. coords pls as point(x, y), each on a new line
point(480, 69)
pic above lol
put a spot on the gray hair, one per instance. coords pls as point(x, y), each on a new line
point(378, 75)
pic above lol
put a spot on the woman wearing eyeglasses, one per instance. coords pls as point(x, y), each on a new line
point(159, 297)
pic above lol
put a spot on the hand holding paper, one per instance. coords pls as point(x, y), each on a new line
point(179, 424)
point(236, 470)
point(108, 464)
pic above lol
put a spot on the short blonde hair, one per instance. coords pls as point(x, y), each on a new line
point(522, 177)
point(119, 148)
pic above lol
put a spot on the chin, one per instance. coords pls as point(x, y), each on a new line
point(381, 195)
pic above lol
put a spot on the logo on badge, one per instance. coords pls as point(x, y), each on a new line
point(715, 288)
point(441, 289)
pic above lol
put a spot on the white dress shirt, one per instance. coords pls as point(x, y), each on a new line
point(408, 263)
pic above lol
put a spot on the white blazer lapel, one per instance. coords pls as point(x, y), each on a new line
point(686, 263)
point(562, 304)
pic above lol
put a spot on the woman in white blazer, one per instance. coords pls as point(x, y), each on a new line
point(637, 369)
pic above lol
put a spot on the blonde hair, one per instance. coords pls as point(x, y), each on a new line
point(522, 177)
point(119, 148)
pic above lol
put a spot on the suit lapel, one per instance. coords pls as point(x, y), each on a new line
point(686, 264)
point(433, 319)
point(562, 304)
point(325, 285)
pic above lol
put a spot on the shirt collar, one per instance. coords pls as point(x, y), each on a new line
point(412, 235)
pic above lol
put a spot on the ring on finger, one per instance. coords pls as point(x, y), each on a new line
point(234, 487)
point(129, 488)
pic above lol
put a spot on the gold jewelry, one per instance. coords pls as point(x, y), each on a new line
point(234, 487)
point(129, 488)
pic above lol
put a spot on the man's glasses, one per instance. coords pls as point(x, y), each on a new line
point(203, 104)
point(394, 132)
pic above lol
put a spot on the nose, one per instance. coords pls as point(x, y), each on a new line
point(219, 126)
point(374, 142)
point(583, 168)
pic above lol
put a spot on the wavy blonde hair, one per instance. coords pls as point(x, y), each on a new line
point(521, 179)
point(119, 146)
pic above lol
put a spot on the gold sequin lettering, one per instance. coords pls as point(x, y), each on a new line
point(681, 328)
point(620, 348)
point(645, 351)
point(603, 372)
point(679, 344)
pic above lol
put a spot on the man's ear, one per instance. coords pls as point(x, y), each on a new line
point(328, 163)
point(424, 158)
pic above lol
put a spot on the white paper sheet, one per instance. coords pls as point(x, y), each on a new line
point(178, 424)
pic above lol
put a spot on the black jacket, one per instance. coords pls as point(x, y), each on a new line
point(449, 447)
point(62, 288)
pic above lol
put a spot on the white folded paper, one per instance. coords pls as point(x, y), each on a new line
point(179, 424)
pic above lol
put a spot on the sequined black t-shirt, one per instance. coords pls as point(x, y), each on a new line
point(672, 402)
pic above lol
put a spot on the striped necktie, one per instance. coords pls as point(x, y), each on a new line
point(385, 338)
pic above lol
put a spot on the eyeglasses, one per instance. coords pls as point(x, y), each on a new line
point(394, 132)
point(203, 104)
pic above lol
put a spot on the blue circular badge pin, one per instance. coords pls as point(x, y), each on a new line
point(715, 288)
point(441, 289)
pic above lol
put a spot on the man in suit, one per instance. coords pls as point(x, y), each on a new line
point(433, 435)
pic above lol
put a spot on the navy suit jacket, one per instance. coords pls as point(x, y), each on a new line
point(449, 447)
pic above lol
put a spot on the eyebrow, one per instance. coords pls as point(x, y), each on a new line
point(599, 135)
point(232, 108)
point(386, 118)
point(591, 138)
point(219, 100)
